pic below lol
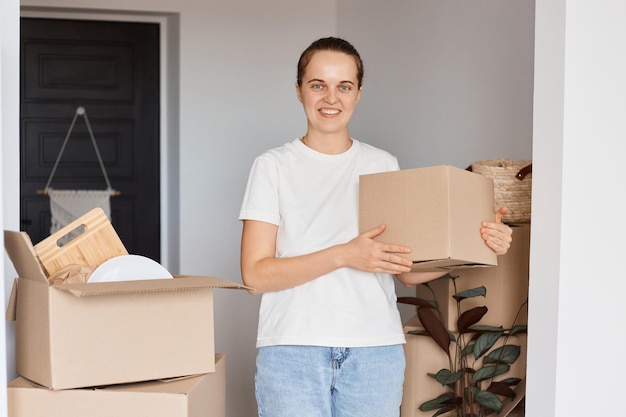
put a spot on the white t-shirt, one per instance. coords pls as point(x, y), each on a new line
point(313, 198)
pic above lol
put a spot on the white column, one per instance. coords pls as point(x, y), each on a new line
point(577, 314)
point(9, 167)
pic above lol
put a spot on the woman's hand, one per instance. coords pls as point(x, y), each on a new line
point(498, 236)
point(366, 254)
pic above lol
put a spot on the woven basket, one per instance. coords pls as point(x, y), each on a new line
point(512, 180)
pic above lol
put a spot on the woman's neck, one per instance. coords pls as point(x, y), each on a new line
point(328, 144)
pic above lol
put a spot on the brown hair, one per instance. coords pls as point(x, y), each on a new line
point(330, 44)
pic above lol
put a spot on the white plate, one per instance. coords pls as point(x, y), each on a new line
point(128, 268)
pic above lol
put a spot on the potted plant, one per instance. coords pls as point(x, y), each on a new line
point(477, 355)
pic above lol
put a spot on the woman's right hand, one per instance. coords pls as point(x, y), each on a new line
point(369, 255)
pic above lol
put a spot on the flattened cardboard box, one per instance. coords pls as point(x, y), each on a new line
point(196, 396)
point(506, 285)
point(82, 335)
point(424, 356)
point(436, 211)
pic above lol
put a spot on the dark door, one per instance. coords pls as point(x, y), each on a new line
point(111, 69)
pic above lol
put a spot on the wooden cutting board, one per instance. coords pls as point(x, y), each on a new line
point(89, 240)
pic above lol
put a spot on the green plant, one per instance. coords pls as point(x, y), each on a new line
point(477, 355)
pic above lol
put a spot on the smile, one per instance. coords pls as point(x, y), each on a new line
point(329, 111)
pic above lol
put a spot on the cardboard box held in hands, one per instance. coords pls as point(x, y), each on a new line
point(436, 211)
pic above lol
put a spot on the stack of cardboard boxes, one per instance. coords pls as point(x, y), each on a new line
point(437, 212)
point(126, 348)
point(507, 290)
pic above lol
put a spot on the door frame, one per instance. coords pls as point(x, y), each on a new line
point(168, 109)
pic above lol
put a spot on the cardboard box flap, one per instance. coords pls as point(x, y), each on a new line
point(179, 283)
point(11, 313)
point(176, 385)
point(20, 249)
point(21, 382)
point(449, 263)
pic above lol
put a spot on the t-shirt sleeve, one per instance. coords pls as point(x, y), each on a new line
point(395, 166)
point(260, 201)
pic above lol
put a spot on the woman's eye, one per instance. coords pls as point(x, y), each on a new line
point(317, 86)
point(345, 88)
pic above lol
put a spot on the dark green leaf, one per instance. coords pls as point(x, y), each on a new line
point(485, 342)
point(418, 332)
point(490, 371)
point(441, 401)
point(445, 377)
point(474, 292)
point(484, 328)
point(467, 350)
point(470, 317)
point(435, 328)
point(504, 354)
point(522, 328)
point(511, 381)
point(488, 400)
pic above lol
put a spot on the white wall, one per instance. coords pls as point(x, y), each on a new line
point(446, 81)
point(577, 314)
point(9, 132)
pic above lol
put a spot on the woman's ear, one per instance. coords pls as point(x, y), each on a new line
point(298, 93)
point(358, 97)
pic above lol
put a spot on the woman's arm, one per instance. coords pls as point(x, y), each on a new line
point(409, 279)
point(263, 272)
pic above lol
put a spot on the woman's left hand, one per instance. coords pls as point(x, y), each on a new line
point(497, 236)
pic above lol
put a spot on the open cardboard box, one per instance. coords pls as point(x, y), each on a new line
point(436, 211)
point(82, 335)
point(195, 396)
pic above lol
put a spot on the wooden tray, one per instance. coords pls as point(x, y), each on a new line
point(89, 240)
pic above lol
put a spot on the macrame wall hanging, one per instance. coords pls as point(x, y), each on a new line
point(68, 205)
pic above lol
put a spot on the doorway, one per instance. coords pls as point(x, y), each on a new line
point(111, 69)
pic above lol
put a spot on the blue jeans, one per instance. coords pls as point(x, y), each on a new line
point(312, 381)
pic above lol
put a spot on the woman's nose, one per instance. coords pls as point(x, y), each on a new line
point(331, 97)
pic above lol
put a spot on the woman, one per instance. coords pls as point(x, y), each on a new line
point(330, 336)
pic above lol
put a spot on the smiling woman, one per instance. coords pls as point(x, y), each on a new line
point(329, 91)
point(301, 249)
point(330, 335)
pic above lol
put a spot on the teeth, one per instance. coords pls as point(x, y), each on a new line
point(329, 111)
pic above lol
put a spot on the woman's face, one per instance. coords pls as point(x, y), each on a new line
point(329, 92)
